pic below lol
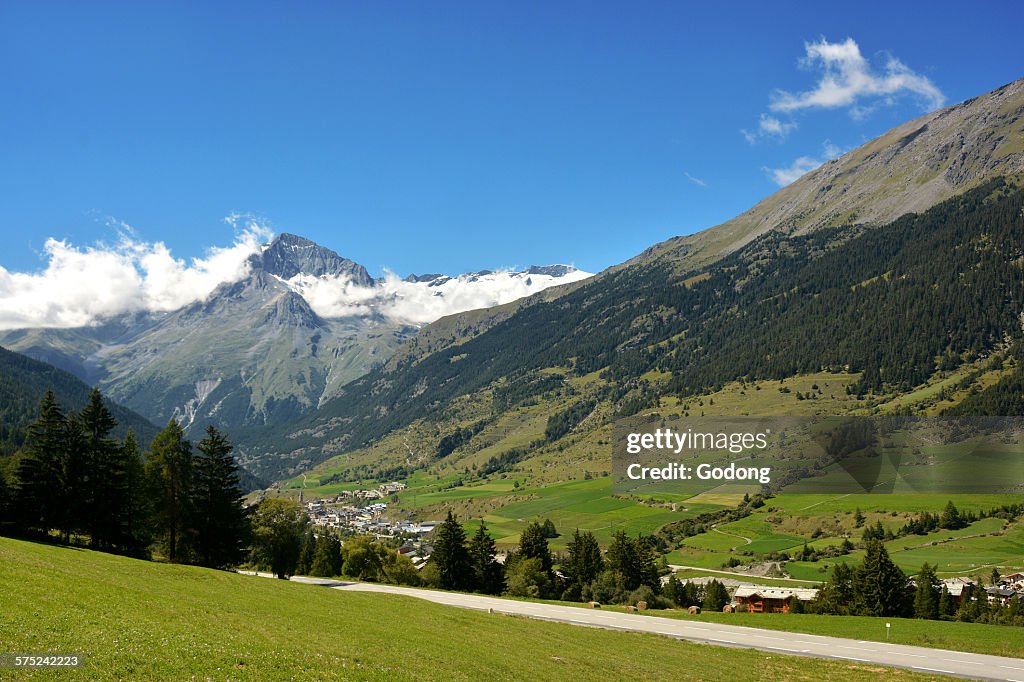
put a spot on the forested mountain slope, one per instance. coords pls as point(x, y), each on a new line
point(24, 382)
point(893, 305)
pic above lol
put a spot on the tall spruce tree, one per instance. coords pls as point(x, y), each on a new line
point(534, 545)
point(101, 487)
point(879, 584)
point(73, 515)
point(136, 515)
point(715, 596)
point(836, 596)
point(946, 606)
point(951, 519)
point(39, 497)
point(169, 468)
point(451, 557)
point(927, 594)
point(584, 561)
point(487, 572)
point(217, 514)
point(633, 559)
point(5, 501)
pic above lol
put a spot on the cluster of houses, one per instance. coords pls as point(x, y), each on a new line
point(418, 551)
point(770, 599)
point(764, 599)
point(1010, 588)
point(349, 511)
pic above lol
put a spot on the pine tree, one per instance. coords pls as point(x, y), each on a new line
point(5, 497)
point(674, 591)
point(136, 514)
point(715, 596)
point(218, 517)
point(926, 597)
point(40, 493)
point(946, 606)
point(634, 560)
point(837, 596)
point(169, 469)
point(451, 557)
point(102, 488)
point(73, 472)
point(879, 585)
point(487, 572)
point(534, 545)
point(950, 519)
point(584, 562)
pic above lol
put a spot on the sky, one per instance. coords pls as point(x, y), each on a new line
point(444, 137)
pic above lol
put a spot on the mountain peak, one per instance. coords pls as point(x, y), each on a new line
point(289, 255)
point(556, 270)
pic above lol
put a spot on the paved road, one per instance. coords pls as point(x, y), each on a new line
point(973, 666)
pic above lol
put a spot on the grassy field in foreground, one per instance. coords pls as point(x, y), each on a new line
point(140, 620)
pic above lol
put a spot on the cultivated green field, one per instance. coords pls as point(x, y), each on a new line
point(135, 620)
point(587, 505)
point(788, 521)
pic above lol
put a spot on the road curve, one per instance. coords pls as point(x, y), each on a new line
point(941, 661)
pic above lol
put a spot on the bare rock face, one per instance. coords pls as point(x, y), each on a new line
point(289, 255)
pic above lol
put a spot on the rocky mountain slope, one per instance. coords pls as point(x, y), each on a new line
point(272, 346)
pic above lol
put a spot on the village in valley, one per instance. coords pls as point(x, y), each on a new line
point(363, 512)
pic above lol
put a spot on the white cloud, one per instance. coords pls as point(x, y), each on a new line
point(81, 285)
point(695, 180)
point(421, 302)
point(847, 79)
point(802, 165)
point(769, 126)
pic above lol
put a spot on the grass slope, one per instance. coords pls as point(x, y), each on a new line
point(140, 620)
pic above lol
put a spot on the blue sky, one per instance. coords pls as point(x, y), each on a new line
point(444, 136)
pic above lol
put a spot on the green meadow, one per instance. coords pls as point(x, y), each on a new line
point(140, 620)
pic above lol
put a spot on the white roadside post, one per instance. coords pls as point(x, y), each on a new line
point(887, 626)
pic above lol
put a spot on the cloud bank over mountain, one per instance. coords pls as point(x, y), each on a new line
point(423, 300)
point(80, 286)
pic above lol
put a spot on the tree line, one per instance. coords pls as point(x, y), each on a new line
point(78, 483)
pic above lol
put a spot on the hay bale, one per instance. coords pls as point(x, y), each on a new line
point(727, 608)
point(631, 608)
point(593, 605)
point(641, 606)
point(693, 610)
